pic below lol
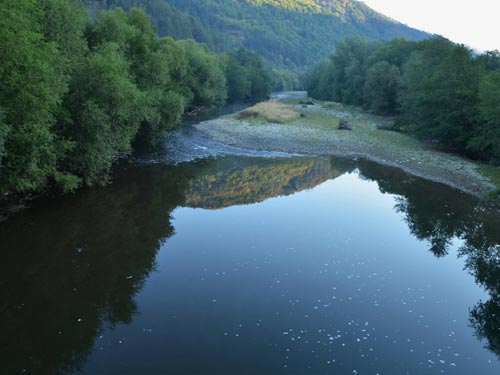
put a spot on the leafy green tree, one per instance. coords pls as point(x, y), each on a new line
point(105, 108)
point(395, 52)
point(487, 135)
point(257, 72)
point(248, 77)
point(166, 92)
point(490, 60)
point(381, 88)
point(65, 23)
point(205, 77)
point(159, 69)
point(238, 83)
point(439, 96)
point(31, 91)
point(319, 81)
point(3, 134)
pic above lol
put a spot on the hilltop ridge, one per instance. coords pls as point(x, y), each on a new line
point(292, 34)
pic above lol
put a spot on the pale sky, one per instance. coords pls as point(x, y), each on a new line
point(475, 23)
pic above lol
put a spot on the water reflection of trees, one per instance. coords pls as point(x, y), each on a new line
point(241, 181)
point(71, 269)
point(439, 215)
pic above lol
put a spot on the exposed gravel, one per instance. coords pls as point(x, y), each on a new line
point(317, 134)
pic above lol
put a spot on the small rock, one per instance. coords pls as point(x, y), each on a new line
point(344, 125)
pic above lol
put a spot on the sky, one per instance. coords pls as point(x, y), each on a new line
point(475, 23)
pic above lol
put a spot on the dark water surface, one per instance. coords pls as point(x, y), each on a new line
point(241, 265)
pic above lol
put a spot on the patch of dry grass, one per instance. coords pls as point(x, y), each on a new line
point(271, 111)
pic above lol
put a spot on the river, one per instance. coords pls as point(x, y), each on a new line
point(234, 263)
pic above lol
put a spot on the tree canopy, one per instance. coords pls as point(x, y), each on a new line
point(291, 34)
point(78, 94)
point(438, 90)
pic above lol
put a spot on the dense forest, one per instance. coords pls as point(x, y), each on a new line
point(78, 94)
point(438, 91)
point(290, 34)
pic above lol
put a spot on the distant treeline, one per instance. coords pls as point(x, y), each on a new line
point(437, 90)
point(76, 95)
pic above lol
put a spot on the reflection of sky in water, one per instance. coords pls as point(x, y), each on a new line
point(325, 280)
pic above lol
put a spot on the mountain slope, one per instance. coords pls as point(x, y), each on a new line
point(289, 33)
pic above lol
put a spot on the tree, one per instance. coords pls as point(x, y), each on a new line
point(248, 77)
point(105, 109)
point(166, 92)
point(439, 95)
point(490, 60)
point(65, 23)
point(238, 83)
point(257, 72)
point(487, 135)
point(159, 68)
point(381, 88)
point(205, 76)
point(3, 134)
point(31, 91)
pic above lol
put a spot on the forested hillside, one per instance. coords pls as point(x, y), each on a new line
point(291, 34)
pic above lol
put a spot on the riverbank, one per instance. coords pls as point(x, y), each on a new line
point(315, 133)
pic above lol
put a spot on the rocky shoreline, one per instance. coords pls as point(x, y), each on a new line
point(316, 133)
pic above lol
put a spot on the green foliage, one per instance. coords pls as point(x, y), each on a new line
point(292, 34)
point(381, 88)
point(165, 18)
point(258, 75)
point(248, 78)
point(439, 90)
point(76, 94)
point(490, 61)
point(31, 90)
point(3, 134)
point(65, 23)
point(487, 135)
point(439, 93)
point(205, 77)
point(238, 83)
point(159, 68)
point(105, 105)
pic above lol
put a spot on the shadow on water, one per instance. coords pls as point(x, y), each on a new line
point(71, 268)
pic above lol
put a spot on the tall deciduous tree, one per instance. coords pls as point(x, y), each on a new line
point(381, 88)
point(31, 89)
point(105, 108)
point(439, 96)
point(487, 135)
point(205, 76)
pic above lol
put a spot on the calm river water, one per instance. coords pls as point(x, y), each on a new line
point(246, 265)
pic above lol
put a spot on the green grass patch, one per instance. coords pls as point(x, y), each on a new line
point(493, 174)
